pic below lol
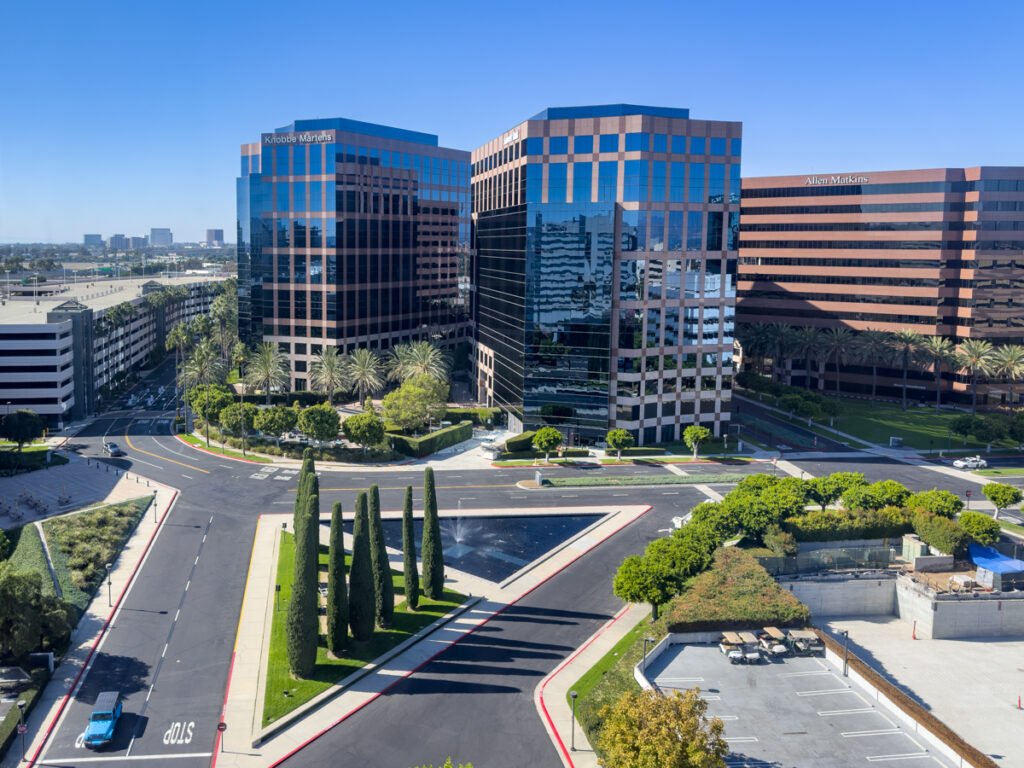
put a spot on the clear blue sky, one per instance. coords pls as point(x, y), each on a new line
point(121, 116)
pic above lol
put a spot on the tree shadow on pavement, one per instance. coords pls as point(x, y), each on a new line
point(124, 674)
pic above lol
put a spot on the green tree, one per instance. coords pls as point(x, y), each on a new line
point(1008, 363)
point(647, 729)
point(276, 420)
point(337, 591)
point(208, 400)
point(937, 502)
point(412, 577)
point(644, 580)
point(202, 367)
point(301, 623)
point(365, 429)
point(30, 620)
point(321, 422)
point(360, 592)
point(938, 351)
point(365, 372)
point(828, 489)
point(239, 353)
point(177, 341)
point(980, 527)
point(838, 344)
point(871, 347)
point(975, 356)
point(266, 368)
point(1001, 495)
point(890, 493)
point(224, 313)
point(420, 358)
point(693, 436)
point(780, 542)
point(408, 407)
point(808, 343)
point(780, 341)
point(383, 587)
point(328, 374)
point(21, 427)
point(431, 548)
point(618, 440)
point(906, 346)
point(238, 418)
point(547, 439)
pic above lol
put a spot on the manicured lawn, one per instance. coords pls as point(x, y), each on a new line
point(229, 452)
point(1001, 472)
point(532, 462)
point(284, 693)
point(675, 459)
point(81, 543)
point(580, 482)
point(31, 458)
point(1011, 527)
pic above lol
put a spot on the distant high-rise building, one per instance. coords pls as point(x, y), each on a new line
point(161, 237)
point(118, 243)
point(137, 243)
point(92, 241)
point(215, 237)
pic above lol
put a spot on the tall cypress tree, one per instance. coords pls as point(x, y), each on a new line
point(383, 586)
point(412, 578)
point(301, 624)
point(433, 556)
point(360, 596)
point(337, 591)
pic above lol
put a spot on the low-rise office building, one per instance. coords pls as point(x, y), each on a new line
point(605, 240)
point(938, 251)
point(65, 349)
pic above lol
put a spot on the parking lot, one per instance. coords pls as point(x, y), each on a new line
point(794, 711)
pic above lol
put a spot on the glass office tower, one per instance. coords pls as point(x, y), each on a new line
point(352, 235)
point(605, 270)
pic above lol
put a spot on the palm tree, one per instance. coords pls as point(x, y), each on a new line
point(906, 347)
point(754, 341)
point(975, 356)
point(780, 345)
point(328, 373)
point(238, 354)
point(203, 366)
point(837, 344)
point(1008, 362)
point(807, 342)
point(421, 358)
point(939, 351)
point(871, 347)
point(365, 372)
point(177, 340)
point(267, 369)
point(224, 313)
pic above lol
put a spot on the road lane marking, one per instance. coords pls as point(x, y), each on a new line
point(175, 618)
point(402, 487)
point(188, 584)
point(165, 650)
point(186, 476)
point(157, 456)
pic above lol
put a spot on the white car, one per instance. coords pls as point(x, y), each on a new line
point(970, 462)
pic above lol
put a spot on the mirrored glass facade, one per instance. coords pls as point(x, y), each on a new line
point(354, 235)
point(606, 270)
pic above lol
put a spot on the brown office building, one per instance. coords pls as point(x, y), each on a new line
point(937, 251)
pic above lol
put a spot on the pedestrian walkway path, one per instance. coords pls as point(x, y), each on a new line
point(244, 704)
point(91, 629)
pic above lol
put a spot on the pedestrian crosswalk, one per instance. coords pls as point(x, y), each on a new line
point(274, 473)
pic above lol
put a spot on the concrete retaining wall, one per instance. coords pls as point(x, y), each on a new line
point(927, 563)
point(845, 597)
point(811, 546)
point(946, 617)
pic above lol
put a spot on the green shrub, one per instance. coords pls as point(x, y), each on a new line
point(519, 443)
point(736, 593)
point(434, 442)
point(780, 542)
point(8, 726)
point(640, 451)
point(844, 524)
point(980, 527)
point(525, 455)
point(942, 503)
point(941, 533)
point(480, 417)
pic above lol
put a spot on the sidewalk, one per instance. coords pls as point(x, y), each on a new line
point(552, 693)
point(244, 703)
point(98, 616)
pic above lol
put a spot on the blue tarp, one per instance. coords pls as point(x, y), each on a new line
point(991, 560)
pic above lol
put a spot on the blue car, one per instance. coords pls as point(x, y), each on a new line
point(103, 720)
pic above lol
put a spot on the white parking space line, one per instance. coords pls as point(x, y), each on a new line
point(827, 692)
point(741, 739)
point(804, 674)
point(679, 680)
point(838, 712)
point(189, 477)
point(878, 732)
point(76, 760)
point(712, 697)
point(728, 717)
point(904, 756)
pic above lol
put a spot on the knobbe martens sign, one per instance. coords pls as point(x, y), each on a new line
point(306, 137)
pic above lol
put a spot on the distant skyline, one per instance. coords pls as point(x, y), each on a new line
point(125, 116)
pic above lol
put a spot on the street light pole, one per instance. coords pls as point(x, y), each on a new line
point(572, 731)
point(110, 599)
point(846, 652)
point(968, 493)
point(21, 726)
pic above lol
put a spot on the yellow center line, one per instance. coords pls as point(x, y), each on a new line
point(158, 455)
point(403, 487)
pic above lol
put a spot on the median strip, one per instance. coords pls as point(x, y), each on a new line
point(585, 482)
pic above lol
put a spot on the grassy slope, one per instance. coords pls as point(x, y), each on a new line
point(283, 692)
point(27, 554)
point(229, 452)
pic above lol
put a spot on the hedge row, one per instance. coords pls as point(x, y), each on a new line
point(735, 593)
point(568, 452)
point(843, 524)
point(479, 416)
point(637, 451)
point(434, 442)
point(941, 533)
point(520, 443)
point(293, 451)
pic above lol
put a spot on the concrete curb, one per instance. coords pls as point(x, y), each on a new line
point(340, 687)
point(181, 440)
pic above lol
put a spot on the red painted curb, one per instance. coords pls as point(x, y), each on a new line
point(220, 455)
point(220, 734)
point(559, 668)
point(103, 631)
point(458, 640)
